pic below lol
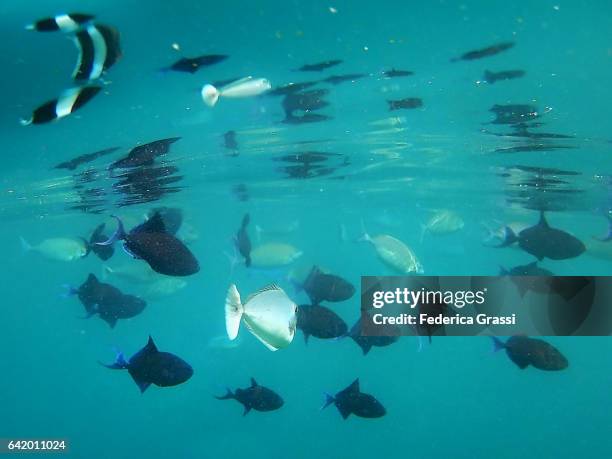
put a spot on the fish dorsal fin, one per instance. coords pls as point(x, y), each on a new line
point(262, 290)
point(92, 278)
point(253, 382)
point(155, 224)
point(354, 387)
point(543, 221)
point(95, 236)
point(151, 347)
point(238, 82)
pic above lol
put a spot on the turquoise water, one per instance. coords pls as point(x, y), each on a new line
point(451, 399)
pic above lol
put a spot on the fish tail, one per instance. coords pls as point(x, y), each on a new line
point(228, 395)
point(498, 344)
point(119, 234)
point(210, 95)
point(119, 364)
point(365, 237)
point(25, 245)
point(70, 291)
point(509, 237)
point(233, 312)
point(329, 400)
point(608, 236)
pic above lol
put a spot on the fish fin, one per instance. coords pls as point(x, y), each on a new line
point(151, 347)
point(119, 234)
point(306, 336)
point(262, 290)
point(345, 412)
point(329, 399)
point(543, 221)
point(509, 238)
point(247, 408)
point(142, 385)
point(354, 387)
point(70, 291)
point(210, 95)
point(155, 224)
point(233, 312)
point(111, 321)
point(119, 364)
point(25, 244)
point(365, 348)
point(228, 395)
point(522, 288)
point(365, 237)
point(253, 382)
point(246, 220)
point(608, 236)
point(498, 344)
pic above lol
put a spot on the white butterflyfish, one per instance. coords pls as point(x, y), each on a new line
point(244, 87)
point(269, 314)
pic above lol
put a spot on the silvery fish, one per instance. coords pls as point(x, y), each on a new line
point(269, 314)
point(59, 249)
point(394, 253)
point(244, 87)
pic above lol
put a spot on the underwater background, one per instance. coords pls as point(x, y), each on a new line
point(389, 172)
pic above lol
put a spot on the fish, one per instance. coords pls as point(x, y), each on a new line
point(543, 241)
point(137, 272)
point(162, 287)
point(68, 102)
point(492, 77)
point(443, 222)
point(163, 252)
point(407, 103)
point(337, 79)
point(99, 49)
point(514, 113)
point(319, 66)
point(393, 73)
point(529, 277)
point(525, 351)
point(533, 147)
point(306, 118)
point(244, 87)
point(84, 159)
point(394, 253)
point(485, 52)
point(59, 249)
point(108, 302)
point(365, 342)
point(274, 255)
point(255, 397)
point(229, 141)
point(320, 322)
point(269, 314)
point(305, 101)
point(352, 401)
point(307, 157)
point(151, 366)
point(104, 252)
point(242, 241)
point(327, 287)
point(291, 88)
point(144, 155)
point(67, 23)
point(193, 64)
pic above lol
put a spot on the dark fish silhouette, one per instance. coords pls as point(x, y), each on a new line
point(533, 147)
point(529, 277)
point(327, 287)
point(543, 241)
point(290, 88)
point(171, 216)
point(144, 155)
point(307, 157)
point(150, 366)
point(337, 79)
point(319, 66)
point(107, 301)
point(367, 342)
point(393, 73)
point(161, 250)
point(146, 184)
point(352, 401)
point(305, 101)
point(320, 322)
point(484, 52)
point(525, 351)
point(104, 252)
point(492, 77)
point(306, 118)
point(83, 159)
point(408, 103)
point(256, 397)
point(242, 241)
point(229, 140)
point(193, 64)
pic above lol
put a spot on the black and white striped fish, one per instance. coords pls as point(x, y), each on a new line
point(70, 100)
point(99, 49)
point(62, 22)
